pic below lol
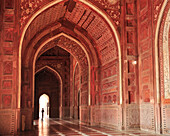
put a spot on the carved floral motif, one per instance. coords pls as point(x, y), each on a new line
point(28, 7)
point(112, 7)
point(74, 49)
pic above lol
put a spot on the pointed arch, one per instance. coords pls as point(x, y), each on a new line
point(43, 100)
point(103, 15)
point(69, 37)
point(58, 75)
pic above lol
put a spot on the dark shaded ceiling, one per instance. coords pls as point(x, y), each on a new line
point(56, 51)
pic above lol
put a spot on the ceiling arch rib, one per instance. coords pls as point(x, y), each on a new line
point(63, 41)
point(57, 29)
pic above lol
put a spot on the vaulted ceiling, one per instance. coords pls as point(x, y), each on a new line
point(77, 20)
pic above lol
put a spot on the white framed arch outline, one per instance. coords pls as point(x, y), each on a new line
point(95, 9)
point(156, 49)
point(61, 82)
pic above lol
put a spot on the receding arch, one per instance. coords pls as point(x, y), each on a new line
point(57, 79)
point(95, 9)
point(60, 78)
point(69, 37)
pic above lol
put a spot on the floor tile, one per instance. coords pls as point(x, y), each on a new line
point(57, 127)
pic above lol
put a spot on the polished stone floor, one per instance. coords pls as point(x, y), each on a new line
point(58, 127)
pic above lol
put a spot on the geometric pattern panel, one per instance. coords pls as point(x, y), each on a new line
point(84, 114)
point(166, 119)
point(110, 83)
point(147, 119)
point(111, 116)
point(96, 115)
point(132, 116)
point(7, 122)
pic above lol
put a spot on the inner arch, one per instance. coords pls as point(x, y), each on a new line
point(78, 43)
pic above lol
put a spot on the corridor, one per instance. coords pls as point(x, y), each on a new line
point(58, 127)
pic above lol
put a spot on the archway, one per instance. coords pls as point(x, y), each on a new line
point(60, 80)
point(44, 105)
point(84, 50)
point(47, 82)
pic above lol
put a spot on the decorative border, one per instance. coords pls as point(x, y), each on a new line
point(164, 56)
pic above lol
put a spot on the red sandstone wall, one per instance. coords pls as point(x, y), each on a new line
point(146, 65)
point(130, 64)
point(71, 87)
point(147, 13)
point(8, 67)
point(147, 16)
point(73, 63)
point(76, 91)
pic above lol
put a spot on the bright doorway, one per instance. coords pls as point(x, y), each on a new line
point(44, 104)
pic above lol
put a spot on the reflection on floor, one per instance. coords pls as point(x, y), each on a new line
point(58, 127)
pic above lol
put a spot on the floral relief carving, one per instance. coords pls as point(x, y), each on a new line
point(75, 49)
point(112, 7)
point(28, 7)
point(71, 47)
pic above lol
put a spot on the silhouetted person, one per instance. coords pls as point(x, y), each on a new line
point(42, 113)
